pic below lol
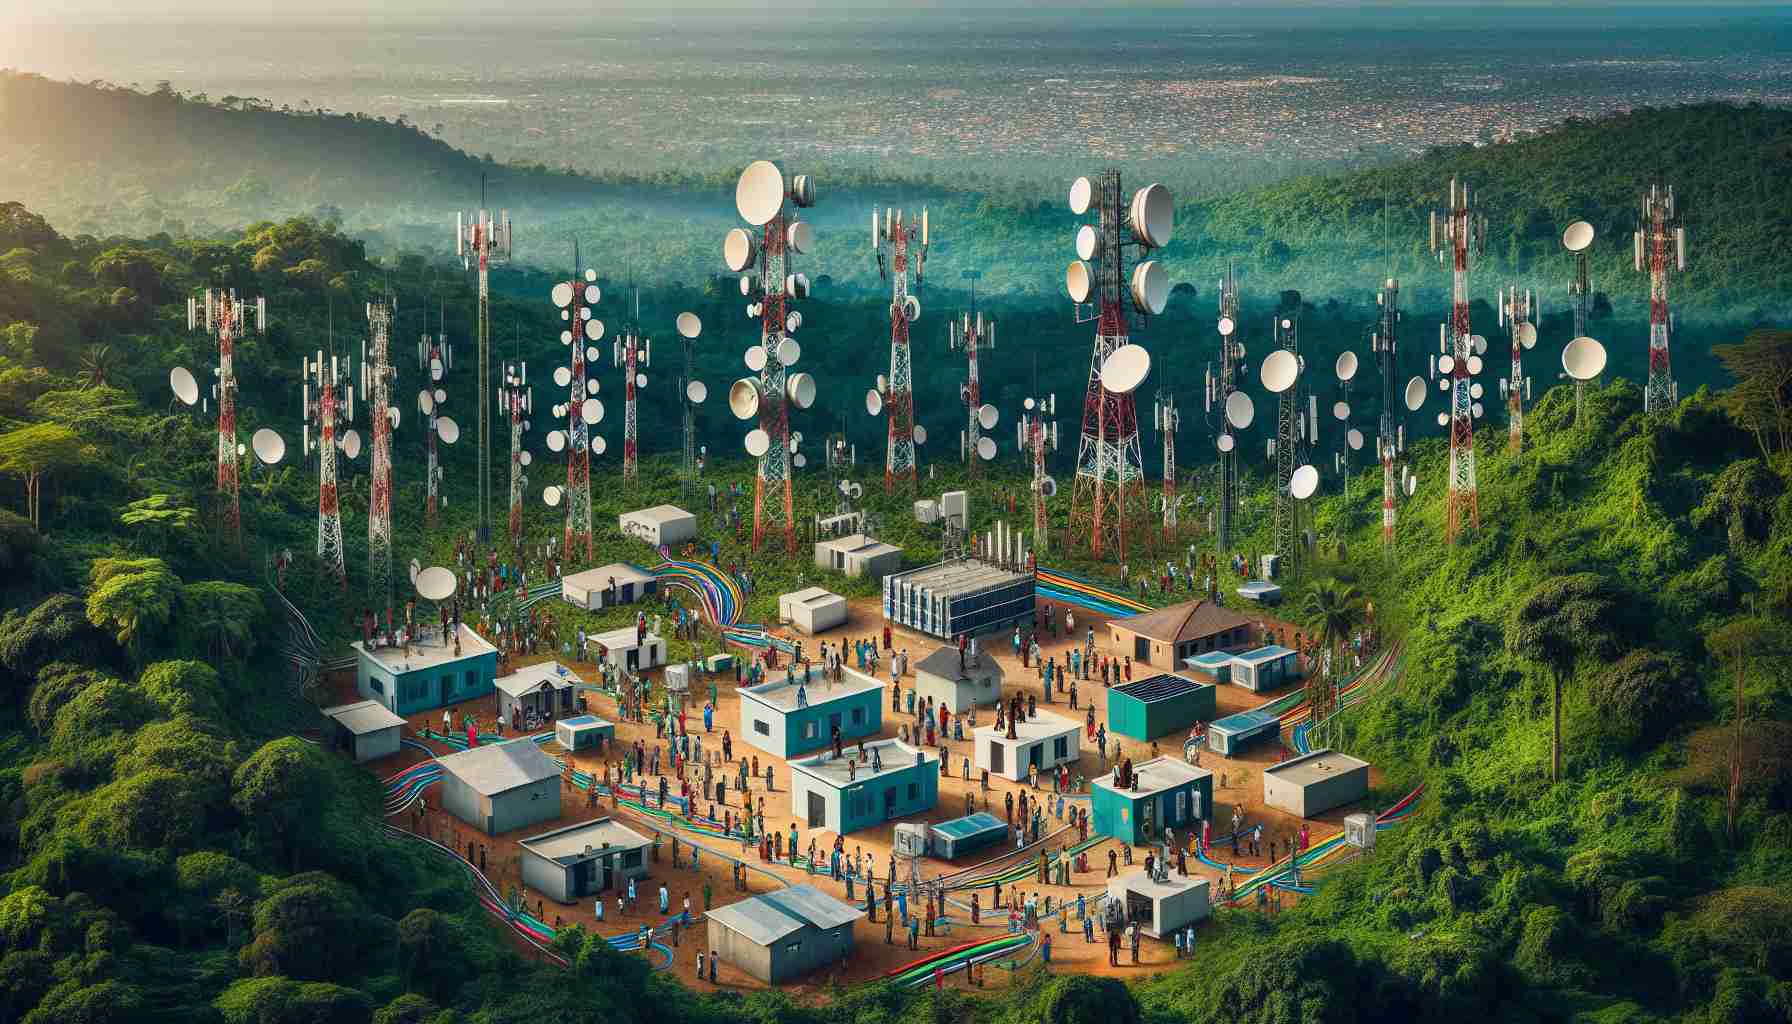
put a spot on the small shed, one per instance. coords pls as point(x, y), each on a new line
point(1260, 591)
point(1164, 637)
point(1045, 740)
point(501, 787)
point(786, 718)
point(1166, 793)
point(608, 586)
point(812, 610)
point(367, 729)
point(1312, 784)
point(619, 647)
point(1266, 668)
point(545, 688)
point(1214, 665)
point(1159, 705)
point(858, 555)
point(874, 782)
point(431, 674)
point(781, 936)
point(959, 682)
point(583, 732)
point(584, 859)
point(950, 840)
point(661, 524)
point(1233, 733)
point(1161, 908)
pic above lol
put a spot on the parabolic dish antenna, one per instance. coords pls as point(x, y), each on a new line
point(1412, 484)
point(1303, 483)
point(551, 495)
point(696, 391)
point(911, 308)
point(874, 402)
point(436, 583)
point(351, 444)
point(1578, 236)
point(797, 285)
point(562, 295)
point(1027, 404)
point(1341, 410)
point(793, 322)
point(1346, 365)
point(760, 194)
point(789, 351)
point(1478, 344)
point(1240, 410)
point(593, 294)
point(556, 440)
point(1443, 419)
point(447, 430)
point(1474, 365)
point(591, 410)
point(1475, 390)
point(1476, 410)
point(689, 325)
point(987, 417)
point(1082, 193)
point(737, 251)
point(441, 396)
point(562, 376)
point(1153, 215)
point(1225, 443)
point(1278, 371)
point(756, 358)
point(1125, 369)
point(1078, 279)
point(416, 567)
point(1048, 486)
point(435, 369)
point(594, 330)
point(598, 445)
point(1227, 326)
point(801, 389)
point(801, 237)
point(920, 434)
point(1526, 334)
point(799, 460)
point(1354, 439)
point(526, 458)
point(1446, 364)
point(640, 380)
point(758, 442)
point(185, 387)
point(1583, 359)
point(392, 416)
point(592, 385)
point(743, 398)
point(1150, 287)
point(591, 354)
point(1415, 393)
point(269, 447)
point(1085, 242)
point(425, 402)
point(986, 448)
point(746, 286)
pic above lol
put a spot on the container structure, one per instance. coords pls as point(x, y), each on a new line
point(367, 730)
point(858, 555)
point(1166, 793)
point(961, 597)
point(501, 787)
point(1312, 784)
point(1159, 705)
point(950, 840)
point(1233, 733)
point(1266, 668)
point(783, 935)
point(583, 732)
point(1161, 907)
point(1215, 666)
point(619, 647)
point(812, 610)
point(608, 586)
point(1044, 741)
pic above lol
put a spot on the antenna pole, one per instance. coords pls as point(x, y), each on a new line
point(513, 398)
point(578, 432)
point(1168, 419)
point(377, 376)
point(1289, 419)
point(1226, 383)
point(1516, 308)
point(970, 332)
point(1388, 443)
point(483, 239)
point(627, 354)
point(1465, 238)
point(322, 403)
point(894, 239)
point(1661, 250)
point(224, 320)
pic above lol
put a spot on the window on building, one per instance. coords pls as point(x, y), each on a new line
point(631, 859)
point(793, 947)
point(811, 730)
point(914, 790)
point(858, 716)
point(761, 728)
point(375, 685)
point(1061, 747)
point(447, 684)
point(472, 680)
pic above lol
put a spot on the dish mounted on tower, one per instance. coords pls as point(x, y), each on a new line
point(576, 299)
point(974, 334)
point(1464, 241)
point(901, 244)
point(1035, 431)
point(1660, 251)
point(328, 402)
point(226, 319)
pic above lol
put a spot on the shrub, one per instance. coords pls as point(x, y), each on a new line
point(1643, 695)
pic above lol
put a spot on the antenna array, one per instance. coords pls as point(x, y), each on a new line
point(225, 319)
point(631, 352)
point(377, 374)
point(1660, 247)
point(323, 402)
point(1516, 311)
point(1220, 387)
point(892, 239)
point(974, 334)
point(582, 410)
point(1391, 439)
point(692, 393)
point(483, 239)
point(1290, 427)
point(435, 357)
point(1464, 239)
point(516, 398)
point(1035, 430)
point(1167, 419)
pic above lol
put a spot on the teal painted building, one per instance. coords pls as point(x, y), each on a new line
point(1167, 793)
point(1266, 668)
point(1159, 705)
point(429, 676)
point(893, 780)
point(785, 719)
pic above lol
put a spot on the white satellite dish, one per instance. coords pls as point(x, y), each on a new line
point(185, 387)
point(987, 417)
point(1225, 443)
point(801, 389)
point(874, 402)
point(562, 295)
point(447, 430)
point(556, 440)
point(1125, 369)
point(1346, 365)
point(801, 237)
point(598, 444)
point(392, 416)
point(689, 325)
point(746, 286)
point(1278, 371)
point(1085, 242)
point(760, 193)
point(426, 402)
point(756, 358)
point(526, 458)
point(591, 411)
point(441, 396)
point(416, 567)
point(592, 385)
point(1443, 419)
point(1354, 439)
point(551, 495)
point(1082, 193)
point(1079, 278)
point(881, 388)
point(562, 376)
point(1475, 390)
point(1027, 404)
point(436, 583)
point(799, 460)
point(1240, 410)
point(1341, 410)
point(1446, 364)
point(1227, 326)
point(797, 285)
point(1303, 483)
point(789, 351)
point(1415, 393)
point(1412, 484)
point(1578, 236)
point(435, 369)
point(640, 380)
point(1048, 486)
point(920, 434)
point(1583, 359)
point(1153, 215)
point(1474, 365)
point(1150, 287)
point(1478, 344)
point(593, 294)
point(351, 444)
point(911, 309)
point(696, 391)
point(269, 447)
point(738, 250)
point(986, 448)
point(565, 337)
point(1526, 334)
point(594, 330)
point(743, 398)
point(793, 322)
point(758, 442)
point(1476, 410)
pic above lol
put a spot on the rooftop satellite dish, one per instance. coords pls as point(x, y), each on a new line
point(425, 402)
point(1341, 410)
point(447, 430)
point(756, 358)
point(689, 325)
point(562, 294)
point(743, 398)
point(1303, 483)
point(987, 416)
point(1082, 192)
point(1227, 326)
point(351, 444)
point(801, 237)
point(1085, 242)
point(801, 389)
point(1078, 280)
point(874, 402)
point(738, 252)
point(696, 391)
point(1153, 215)
point(556, 440)
point(1578, 236)
point(758, 442)
point(1415, 393)
point(911, 308)
point(1354, 439)
point(1048, 486)
point(594, 330)
point(598, 444)
point(1583, 359)
point(526, 458)
point(986, 448)
point(1278, 371)
point(1346, 365)
point(269, 447)
point(1125, 369)
point(1225, 443)
point(1150, 287)
point(562, 376)
point(1526, 334)
point(789, 351)
point(591, 411)
point(640, 380)
point(920, 434)
point(1240, 410)
point(185, 387)
point(436, 583)
point(593, 294)
point(551, 495)
point(760, 193)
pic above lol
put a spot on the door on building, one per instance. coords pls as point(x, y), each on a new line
point(1148, 817)
point(581, 877)
point(996, 760)
point(1138, 908)
point(609, 874)
point(833, 723)
point(1141, 650)
point(889, 803)
point(1036, 756)
point(634, 659)
point(818, 811)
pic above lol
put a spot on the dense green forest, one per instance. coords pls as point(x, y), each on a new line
point(171, 853)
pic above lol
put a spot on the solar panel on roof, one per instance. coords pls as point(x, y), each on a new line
point(1157, 688)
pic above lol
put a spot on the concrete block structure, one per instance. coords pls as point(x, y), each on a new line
point(892, 780)
point(965, 596)
point(858, 555)
point(1265, 668)
point(1165, 637)
point(366, 729)
point(783, 935)
point(1232, 734)
point(619, 647)
point(583, 860)
point(977, 683)
point(1045, 740)
point(785, 719)
point(583, 732)
point(501, 787)
point(661, 524)
point(608, 586)
point(1312, 784)
point(812, 610)
point(1166, 793)
point(429, 676)
point(1161, 908)
point(545, 688)
point(959, 837)
point(1159, 705)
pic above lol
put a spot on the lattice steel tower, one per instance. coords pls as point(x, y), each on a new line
point(1167, 419)
point(515, 398)
point(1516, 310)
point(483, 240)
point(1035, 431)
point(435, 357)
point(226, 319)
point(631, 352)
point(1463, 240)
point(973, 334)
point(893, 241)
point(1390, 438)
point(576, 297)
point(1660, 244)
point(321, 397)
point(1220, 386)
point(377, 374)
point(1286, 446)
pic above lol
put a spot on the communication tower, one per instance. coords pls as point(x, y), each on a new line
point(1167, 418)
point(692, 393)
point(576, 299)
point(1462, 241)
point(631, 352)
point(1352, 440)
point(1290, 427)
point(1660, 245)
point(771, 283)
point(974, 334)
point(1035, 431)
point(483, 239)
point(1516, 311)
point(893, 240)
point(435, 357)
point(1390, 439)
point(226, 318)
point(328, 400)
point(377, 374)
point(517, 399)
point(1110, 469)
point(1233, 414)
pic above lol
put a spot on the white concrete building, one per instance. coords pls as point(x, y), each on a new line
point(977, 683)
point(618, 647)
point(661, 524)
point(1046, 740)
point(608, 586)
point(812, 609)
point(1161, 908)
point(858, 555)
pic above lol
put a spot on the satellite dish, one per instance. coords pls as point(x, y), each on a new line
point(801, 389)
point(789, 351)
point(987, 417)
point(447, 430)
point(802, 190)
point(1478, 344)
point(594, 330)
point(598, 445)
point(441, 396)
point(525, 458)
point(562, 295)
point(1082, 192)
point(640, 380)
point(756, 358)
point(1443, 419)
point(1150, 287)
point(1354, 439)
point(986, 448)
point(1240, 410)
point(1526, 334)
point(436, 583)
point(1412, 484)
point(1346, 365)
point(874, 402)
point(1227, 326)
point(1578, 236)
point(1583, 359)
point(392, 416)
point(793, 322)
point(1475, 390)
point(738, 250)
point(1278, 371)
point(1153, 215)
point(416, 567)
point(689, 325)
point(185, 387)
point(696, 391)
point(799, 460)
point(426, 402)
point(591, 411)
point(746, 286)
point(565, 337)
point(760, 194)
point(269, 447)
point(241, 450)
point(743, 398)
point(562, 376)
point(1085, 242)
point(920, 434)
point(1225, 443)
point(1125, 369)
point(801, 237)
point(435, 369)
point(556, 440)
point(758, 442)
point(1341, 410)
point(551, 495)
point(1474, 365)
point(797, 285)
point(593, 294)
point(591, 353)
point(351, 444)
point(1446, 364)
point(1303, 483)
point(911, 308)
point(1048, 487)
point(1027, 404)
point(1415, 393)
point(1078, 280)
point(592, 386)
point(1476, 410)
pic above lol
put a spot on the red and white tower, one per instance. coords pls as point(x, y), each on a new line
point(1391, 437)
point(1516, 310)
point(893, 241)
point(633, 354)
point(377, 374)
point(226, 317)
point(1035, 431)
point(1660, 244)
point(576, 299)
point(1463, 240)
point(974, 334)
point(328, 400)
point(515, 399)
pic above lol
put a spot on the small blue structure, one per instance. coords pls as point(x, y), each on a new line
point(1233, 733)
point(870, 784)
point(784, 719)
point(1166, 793)
point(1261, 591)
point(955, 838)
point(429, 675)
point(582, 732)
point(1215, 665)
point(1266, 668)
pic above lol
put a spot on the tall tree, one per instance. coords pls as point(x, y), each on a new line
point(1560, 621)
point(131, 596)
point(37, 451)
point(1761, 400)
point(1333, 608)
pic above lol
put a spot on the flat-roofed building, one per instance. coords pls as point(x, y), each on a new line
point(1166, 793)
point(879, 781)
point(661, 524)
point(584, 859)
point(788, 718)
point(608, 586)
point(960, 597)
point(858, 555)
point(431, 674)
point(1310, 785)
point(1044, 741)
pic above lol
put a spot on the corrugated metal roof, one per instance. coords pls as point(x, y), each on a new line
point(566, 845)
point(814, 906)
point(363, 717)
point(757, 921)
point(501, 767)
point(529, 678)
point(1190, 620)
point(768, 918)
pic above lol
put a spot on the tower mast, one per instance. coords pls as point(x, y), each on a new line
point(225, 319)
point(893, 241)
point(377, 374)
point(973, 334)
point(483, 239)
point(576, 298)
point(1660, 244)
point(321, 398)
point(1464, 240)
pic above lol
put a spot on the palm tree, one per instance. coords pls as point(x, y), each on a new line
point(96, 367)
point(1334, 608)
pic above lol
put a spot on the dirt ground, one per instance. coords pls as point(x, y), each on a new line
point(1237, 782)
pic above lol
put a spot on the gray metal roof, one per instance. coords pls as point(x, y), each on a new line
point(960, 577)
point(568, 845)
point(529, 678)
point(501, 767)
point(943, 662)
point(363, 717)
point(765, 919)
